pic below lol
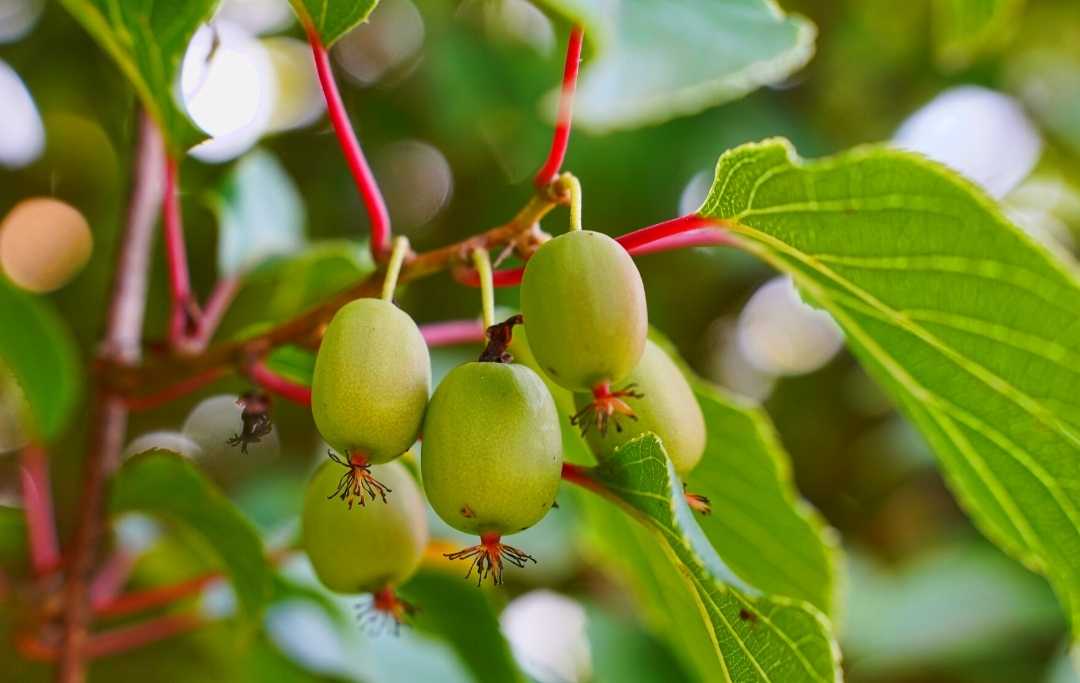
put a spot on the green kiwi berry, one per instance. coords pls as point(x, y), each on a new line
point(666, 407)
point(584, 308)
point(492, 450)
point(372, 380)
point(356, 551)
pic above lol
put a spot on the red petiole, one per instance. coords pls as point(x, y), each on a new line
point(561, 140)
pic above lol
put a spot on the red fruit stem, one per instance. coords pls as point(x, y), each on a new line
point(111, 577)
point(175, 391)
point(350, 147)
point(276, 384)
point(127, 638)
point(176, 253)
point(38, 507)
point(561, 139)
point(509, 277)
point(452, 332)
point(216, 306)
point(582, 476)
point(154, 597)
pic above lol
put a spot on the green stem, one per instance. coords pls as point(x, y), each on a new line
point(393, 268)
point(574, 186)
point(482, 262)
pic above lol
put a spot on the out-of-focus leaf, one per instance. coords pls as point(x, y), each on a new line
point(168, 485)
point(969, 325)
point(622, 651)
point(659, 60)
point(260, 214)
point(1045, 79)
point(293, 363)
point(332, 19)
point(747, 636)
point(961, 601)
point(13, 551)
point(283, 287)
point(965, 30)
point(455, 611)
point(36, 347)
point(148, 38)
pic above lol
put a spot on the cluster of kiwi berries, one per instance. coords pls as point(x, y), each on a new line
point(492, 448)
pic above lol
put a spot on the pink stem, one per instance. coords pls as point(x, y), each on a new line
point(276, 384)
point(143, 633)
point(508, 277)
point(160, 596)
point(561, 140)
point(453, 332)
point(179, 282)
point(639, 238)
point(111, 577)
point(350, 146)
point(37, 504)
point(698, 237)
point(175, 391)
point(216, 306)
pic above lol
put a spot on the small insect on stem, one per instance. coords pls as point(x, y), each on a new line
point(384, 610)
point(487, 558)
point(255, 419)
point(499, 337)
point(606, 408)
point(357, 481)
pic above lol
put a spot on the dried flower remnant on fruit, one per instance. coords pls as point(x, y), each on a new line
point(384, 611)
point(357, 481)
point(606, 408)
point(499, 337)
point(697, 502)
point(488, 556)
point(255, 418)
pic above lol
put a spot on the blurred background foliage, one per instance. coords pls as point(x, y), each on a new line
point(448, 99)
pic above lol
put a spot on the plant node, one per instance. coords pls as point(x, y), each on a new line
point(697, 502)
point(384, 611)
point(357, 481)
point(499, 337)
point(606, 408)
point(255, 419)
point(487, 558)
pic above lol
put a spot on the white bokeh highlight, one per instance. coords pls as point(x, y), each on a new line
point(164, 440)
point(547, 634)
point(18, 18)
point(391, 37)
point(256, 16)
point(779, 334)
point(22, 134)
point(228, 87)
point(299, 100)
point(982, 134)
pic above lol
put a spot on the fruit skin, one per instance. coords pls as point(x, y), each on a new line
point(372, 380)
point(585, 311)
point(667, 408)
point(364, 549)
point(492, 450)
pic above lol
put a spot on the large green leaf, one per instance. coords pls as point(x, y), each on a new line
point(759, 525)
point(749, 636)
point(148, 38)
point(168, 485)
point(260, 214)
point(37, 348)
point(971, 326)
point(658, 60)
point(965, 30)
point(332, 19)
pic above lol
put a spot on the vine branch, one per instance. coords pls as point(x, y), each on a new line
point(561, 139)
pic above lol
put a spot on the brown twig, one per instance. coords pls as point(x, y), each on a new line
point(109, 422)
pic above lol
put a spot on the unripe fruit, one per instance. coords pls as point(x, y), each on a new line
point(356, 551)
point(667, 408)
point(585, 311)
point(492, 451)
point(371, 382)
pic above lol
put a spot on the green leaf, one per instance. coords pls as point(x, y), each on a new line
point(37, 348)
point(13, 550)
point(967, 323)
point(260, 214)
point(147, 39)
point(759, 525)
point(446, 603)
point(332, 19)
point(659, 60)
point(753, 637)
point(168, 485)
point(293, 363)
point(965, 30)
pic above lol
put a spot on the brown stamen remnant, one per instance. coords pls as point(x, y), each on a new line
point(499, 337)
point(606, 408)
point(255, 419)
point(487, 558)
point(697, 502)
point(357, 481)
point(385, 610)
